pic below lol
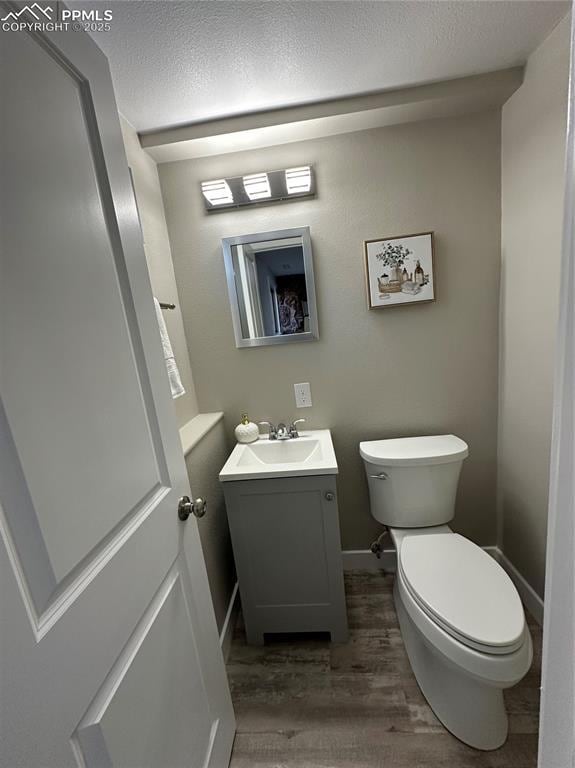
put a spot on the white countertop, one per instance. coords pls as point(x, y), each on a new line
point(311, 453)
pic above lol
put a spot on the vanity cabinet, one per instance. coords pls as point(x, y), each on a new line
point(285, 536)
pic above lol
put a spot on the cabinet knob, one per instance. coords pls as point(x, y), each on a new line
point(329, 496)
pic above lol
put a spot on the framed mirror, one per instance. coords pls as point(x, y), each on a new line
point(271, 287)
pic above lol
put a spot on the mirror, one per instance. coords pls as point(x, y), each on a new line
point(271, 287)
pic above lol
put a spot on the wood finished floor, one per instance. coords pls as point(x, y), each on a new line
point(301, 702)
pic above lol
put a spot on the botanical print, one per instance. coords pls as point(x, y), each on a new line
point(399, 270)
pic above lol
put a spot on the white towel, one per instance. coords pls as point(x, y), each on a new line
point(173, 374)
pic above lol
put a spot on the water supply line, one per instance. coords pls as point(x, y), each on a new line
point(376, 546)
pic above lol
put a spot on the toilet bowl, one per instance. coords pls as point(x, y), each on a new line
point(460, 615)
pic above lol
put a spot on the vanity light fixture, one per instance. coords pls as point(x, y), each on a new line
point(298, 180)
point(217, 192)
point(257, 188)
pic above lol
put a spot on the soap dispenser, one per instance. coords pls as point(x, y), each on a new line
point(247, 431)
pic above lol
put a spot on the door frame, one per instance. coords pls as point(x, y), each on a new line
point(557, 717)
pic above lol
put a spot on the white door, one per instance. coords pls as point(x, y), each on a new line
point(108, 645)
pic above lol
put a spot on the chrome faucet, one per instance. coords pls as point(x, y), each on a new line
point(293, 429)
point(272, 431)
point(282, 431)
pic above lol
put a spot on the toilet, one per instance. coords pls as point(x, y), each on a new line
point(460, 615)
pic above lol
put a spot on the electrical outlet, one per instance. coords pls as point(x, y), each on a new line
point(302, 395)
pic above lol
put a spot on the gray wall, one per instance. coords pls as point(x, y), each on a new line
point(400, 371)
point(533, 144)
point(206, 459)
point(159, 260)
point(204, 463)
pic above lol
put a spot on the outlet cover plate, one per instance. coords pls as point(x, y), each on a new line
point(302, 395)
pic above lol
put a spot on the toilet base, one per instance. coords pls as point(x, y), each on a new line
point(470, 709)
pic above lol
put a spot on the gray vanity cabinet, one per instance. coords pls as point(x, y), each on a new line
point(285, 536)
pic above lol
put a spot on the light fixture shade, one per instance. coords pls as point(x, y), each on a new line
point(258, 188)
point(298, 180)
point(217, 192)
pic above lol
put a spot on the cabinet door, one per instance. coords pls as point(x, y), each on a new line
point(286, 541)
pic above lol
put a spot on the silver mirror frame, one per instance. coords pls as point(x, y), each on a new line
point(279, 234)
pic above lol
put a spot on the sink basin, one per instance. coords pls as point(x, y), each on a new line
point(309, 454)
point(280, 452)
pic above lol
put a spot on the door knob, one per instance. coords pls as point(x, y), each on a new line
point(329, 496)
point(187, 507)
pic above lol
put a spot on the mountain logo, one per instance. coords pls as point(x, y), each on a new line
point(34, 10)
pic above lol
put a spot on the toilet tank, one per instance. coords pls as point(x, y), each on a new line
point(413, 480)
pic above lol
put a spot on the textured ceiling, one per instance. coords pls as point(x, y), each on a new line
point(176, 62)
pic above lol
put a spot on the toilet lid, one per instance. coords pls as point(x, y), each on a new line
point(464, 590)
point(413, 451)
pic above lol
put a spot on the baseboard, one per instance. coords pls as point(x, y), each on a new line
point(492, 550)
point(528, 595)
point(365, 560)
point(229, 624)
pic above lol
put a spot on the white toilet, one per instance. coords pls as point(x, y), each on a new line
point(460, 615)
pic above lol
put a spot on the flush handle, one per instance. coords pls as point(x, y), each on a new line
point(187, 507)
point(381, 476)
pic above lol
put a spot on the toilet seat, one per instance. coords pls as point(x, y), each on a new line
point(463, 590)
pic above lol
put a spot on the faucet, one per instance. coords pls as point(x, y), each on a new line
point(282, 431)
point(272, 431)
point(293, 430)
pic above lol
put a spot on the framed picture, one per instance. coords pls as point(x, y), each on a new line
point(399, 270)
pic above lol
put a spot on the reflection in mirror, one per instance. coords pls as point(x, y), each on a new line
point(271, 287)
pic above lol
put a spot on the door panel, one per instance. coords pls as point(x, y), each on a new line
point(150, 691)
point(66, 263)
point(109, 647)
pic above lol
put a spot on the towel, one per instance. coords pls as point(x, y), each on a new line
point(173, 374)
